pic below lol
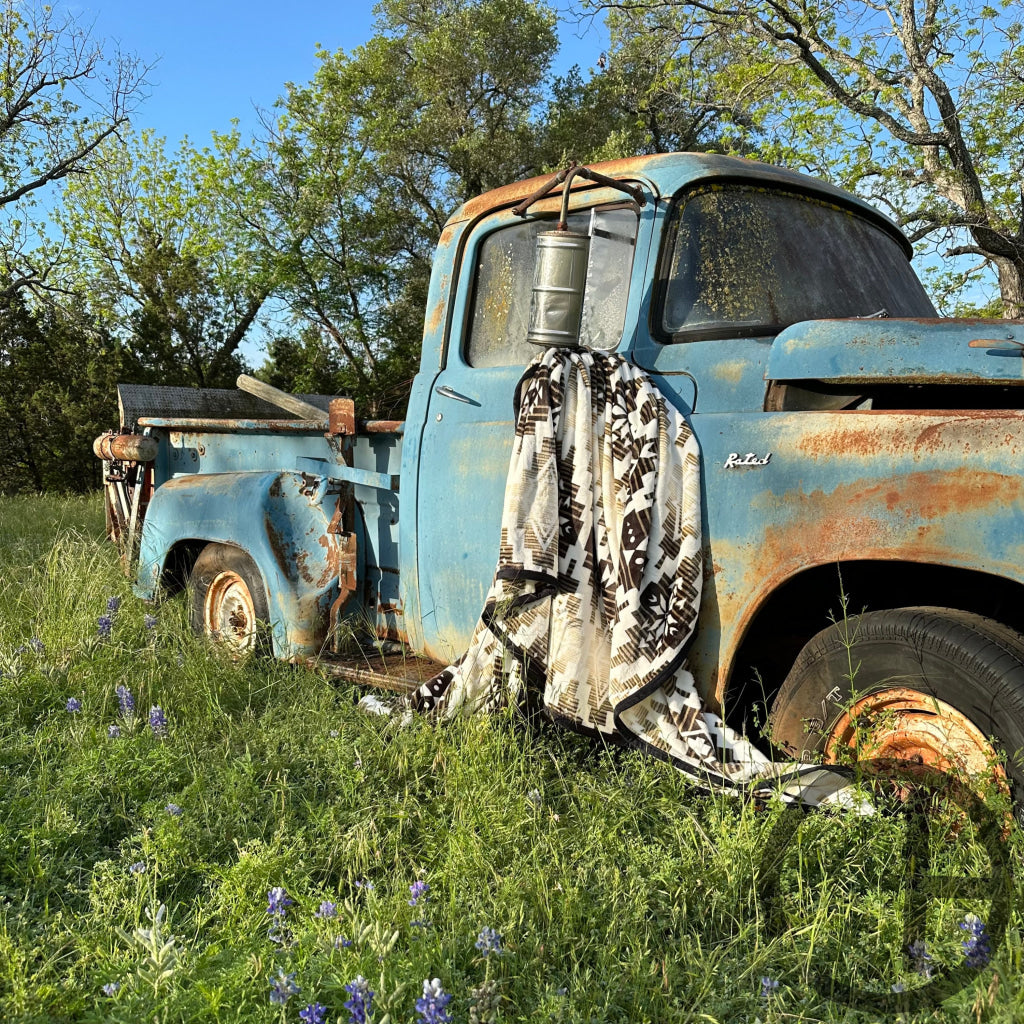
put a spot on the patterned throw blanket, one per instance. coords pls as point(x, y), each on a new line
point(598, 582)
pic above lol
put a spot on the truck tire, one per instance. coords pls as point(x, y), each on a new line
point(229, 600)
point(932, 687)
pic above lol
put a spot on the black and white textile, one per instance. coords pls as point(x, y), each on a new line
point(599, 573)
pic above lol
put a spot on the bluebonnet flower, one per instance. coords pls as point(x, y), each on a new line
point(977, 949)
point(534, 797)
point(313, 1013)
point(73, 706)
point(340, 942)
point(111, 988)
point(138, 867)
point(278, 902)
point(173, 809)
point(920, 958)
point(149, 622)
point(157, 720)
point(416, 890)
point(362, 883)
point(360, 1001)
point(113, 603)
point(327, 909)
point(125, 701)
point(36, 644)
point(104, 624)
point(431, 1006)
point(768, 986)
point(489, 941)
point(899, 988)
point(113, 731)
point(283, 987)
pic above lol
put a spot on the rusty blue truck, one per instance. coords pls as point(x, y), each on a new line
point(862, 497)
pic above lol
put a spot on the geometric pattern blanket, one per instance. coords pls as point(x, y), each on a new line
point(598, 582)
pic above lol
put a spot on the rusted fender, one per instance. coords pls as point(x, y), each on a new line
point(280, 519)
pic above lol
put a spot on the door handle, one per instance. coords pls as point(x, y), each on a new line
point(446, 392)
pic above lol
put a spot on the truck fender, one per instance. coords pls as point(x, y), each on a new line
point(280, 519)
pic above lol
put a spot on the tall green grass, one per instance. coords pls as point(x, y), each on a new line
point(620, 893)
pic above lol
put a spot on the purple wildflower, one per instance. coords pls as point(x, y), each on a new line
point(360, 1001)
point(313, 1013)
point(362, 883)
point(920, 958)
point(283, 987)
point(113, 603)
point(157, 720)
point(111, 988)
point(431, 1006)
point(327, 910)
point(278, 902)
point(37, 645)
point(150, 622)
point(104, 624)
point(125, 701)
point(138, 867)
point(768, 986)
point(341, 942)
point(73, 706)
point(489, 941)
point(173, 810)
point(416, 890)
point(977, 949)
point(113, 731)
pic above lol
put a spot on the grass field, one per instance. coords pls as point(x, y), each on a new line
point(294, 843)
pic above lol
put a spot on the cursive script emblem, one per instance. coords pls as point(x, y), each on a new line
point(750, 459)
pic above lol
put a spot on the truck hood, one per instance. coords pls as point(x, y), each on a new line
point(904, 351)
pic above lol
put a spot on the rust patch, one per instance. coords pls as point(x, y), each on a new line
point(508, 195)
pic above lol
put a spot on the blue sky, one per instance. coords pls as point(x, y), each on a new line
point(221, 59)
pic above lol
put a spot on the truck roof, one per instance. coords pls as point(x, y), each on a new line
point(668, 173)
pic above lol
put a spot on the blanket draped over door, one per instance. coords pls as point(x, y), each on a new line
point(599, 574)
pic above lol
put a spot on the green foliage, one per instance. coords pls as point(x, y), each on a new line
point(58, 374)
point(163, 253)
point(620, 893)
point(367, 162)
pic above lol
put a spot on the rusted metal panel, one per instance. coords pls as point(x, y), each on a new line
point(915, 351)
point(940, 488)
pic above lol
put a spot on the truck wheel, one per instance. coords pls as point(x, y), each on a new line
point(229, 601)
point(933, 690)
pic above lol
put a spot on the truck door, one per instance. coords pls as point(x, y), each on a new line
point(467, 437)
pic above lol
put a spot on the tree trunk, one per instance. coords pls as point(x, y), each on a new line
point(1011, 287)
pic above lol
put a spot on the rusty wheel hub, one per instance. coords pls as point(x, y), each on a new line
point(228, 611)
point(916, 733)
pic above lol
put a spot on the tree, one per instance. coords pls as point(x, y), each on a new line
point(367, 162)
point(60, 99)
point(931, 100)
point(57, 393)
point(161, 250)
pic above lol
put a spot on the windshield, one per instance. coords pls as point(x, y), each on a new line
point(755, 260)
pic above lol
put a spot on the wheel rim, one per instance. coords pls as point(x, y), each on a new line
point(228, 611)
point(917, 733)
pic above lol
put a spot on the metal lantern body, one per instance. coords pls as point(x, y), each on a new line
point(559, 280)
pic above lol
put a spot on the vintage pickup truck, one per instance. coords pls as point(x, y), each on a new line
point(856, 452)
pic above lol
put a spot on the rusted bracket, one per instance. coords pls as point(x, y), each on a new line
point(564, 177)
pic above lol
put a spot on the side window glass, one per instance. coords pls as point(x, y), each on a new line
point(503, 279)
